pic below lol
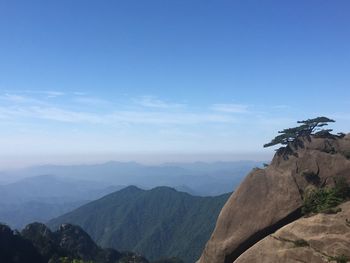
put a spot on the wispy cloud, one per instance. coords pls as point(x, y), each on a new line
point(91, 101)
point(13, 98)
point(45, 93)
point(131, 117)
point(19, 107)
point(154, 102)
point(79, 93)
point(170, 118)
point(53, 94)
point(230, 108)
point(20, 99)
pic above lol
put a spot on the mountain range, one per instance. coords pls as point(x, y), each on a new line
point(44, 192)
point(157, 223)
point(215, 178)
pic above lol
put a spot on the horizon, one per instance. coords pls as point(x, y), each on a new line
point(88, 82)
point(145, 160)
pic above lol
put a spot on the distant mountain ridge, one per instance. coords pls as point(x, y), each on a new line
point(49, 191)
point(53, 188)
point(216, 177)
point(157, 223)
point(41, 198)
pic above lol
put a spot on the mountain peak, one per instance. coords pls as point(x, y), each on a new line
point(163, 189)
point(157, 222)
point(132, 188)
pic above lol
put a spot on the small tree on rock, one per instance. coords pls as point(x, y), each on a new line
point(293, 136)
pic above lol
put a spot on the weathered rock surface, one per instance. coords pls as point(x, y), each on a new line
point(317, 239)
point(270, 198)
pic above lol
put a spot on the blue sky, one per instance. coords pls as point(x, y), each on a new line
point(108, 78)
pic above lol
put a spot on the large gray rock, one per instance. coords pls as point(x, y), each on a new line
point(318, 239)
point(270, 198)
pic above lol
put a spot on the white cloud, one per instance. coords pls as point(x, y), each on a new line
point(62, 115)
point(91, 101)
point(79, 93)
point(131, 117)
point(46, 93)
point(153, 102)
point(53, 94)
point(25, 107)
point(14, 98)
point(20, 99)
point(137, 117)
point(230, 108)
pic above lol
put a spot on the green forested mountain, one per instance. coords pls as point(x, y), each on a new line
point(157, 223)
point(69, 244)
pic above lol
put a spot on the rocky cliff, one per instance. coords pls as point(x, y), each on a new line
point(269, 199)
point(319, 239)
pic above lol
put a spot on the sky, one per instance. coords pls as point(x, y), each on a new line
point(157, 80)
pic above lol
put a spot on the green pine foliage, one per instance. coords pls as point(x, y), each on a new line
point(311, 177)
point(324, 200)
point(346, 154)
point(301, 243)
point(307, 128)
point(340, 259)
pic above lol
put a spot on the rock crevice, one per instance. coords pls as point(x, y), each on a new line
point(262, 234)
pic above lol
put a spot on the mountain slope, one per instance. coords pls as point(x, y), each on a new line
point(157, 223)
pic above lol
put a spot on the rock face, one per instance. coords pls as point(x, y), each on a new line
point(319, 239)
point(78, 242)
point(270, 198)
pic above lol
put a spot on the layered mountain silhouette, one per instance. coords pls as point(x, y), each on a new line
point(215, 177)
point(157, 223)
point(45, 192)
point(41, 198)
